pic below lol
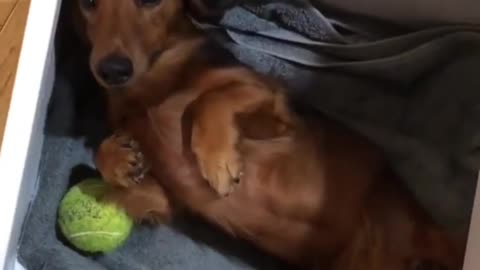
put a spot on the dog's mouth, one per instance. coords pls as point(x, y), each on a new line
point(119, 87)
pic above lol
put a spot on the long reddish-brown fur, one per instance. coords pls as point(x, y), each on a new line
point(199, 132)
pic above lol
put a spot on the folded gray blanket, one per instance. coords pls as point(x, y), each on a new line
point(414, 94)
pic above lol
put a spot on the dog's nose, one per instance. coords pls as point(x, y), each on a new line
point(115, 69)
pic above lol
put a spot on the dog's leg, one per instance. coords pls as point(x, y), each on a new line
point(144, 202)
point(120, 161)
point(216, 134)
point(123, 166)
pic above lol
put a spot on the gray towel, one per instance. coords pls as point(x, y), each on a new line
point(414, 94)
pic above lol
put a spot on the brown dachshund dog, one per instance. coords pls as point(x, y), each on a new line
point(197, 130)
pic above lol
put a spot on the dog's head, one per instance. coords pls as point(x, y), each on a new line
point(126, 36)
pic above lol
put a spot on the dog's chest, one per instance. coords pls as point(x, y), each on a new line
point(166, 118)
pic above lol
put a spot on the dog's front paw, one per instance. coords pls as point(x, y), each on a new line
point(120, 160)
point(219, 163)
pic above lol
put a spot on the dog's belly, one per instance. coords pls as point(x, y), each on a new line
point(301, 198)
point(284, 203)
point(164, 120)
point(288, 202)
point(278, 174)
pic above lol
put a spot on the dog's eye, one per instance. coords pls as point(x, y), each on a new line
point(148, 3)
point(88, 4)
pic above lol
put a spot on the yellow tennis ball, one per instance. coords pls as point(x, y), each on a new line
point(89, 224)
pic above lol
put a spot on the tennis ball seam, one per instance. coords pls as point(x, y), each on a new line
point(89, 233)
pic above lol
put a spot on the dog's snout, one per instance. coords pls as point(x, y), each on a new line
point(115, 69)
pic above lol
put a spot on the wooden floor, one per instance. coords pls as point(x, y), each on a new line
point(13, 14)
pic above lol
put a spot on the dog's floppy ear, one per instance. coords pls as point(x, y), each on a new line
point(209, 8)
point(71, 37)
point(73, 24)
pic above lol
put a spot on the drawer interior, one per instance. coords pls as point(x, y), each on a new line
point(426, 120)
